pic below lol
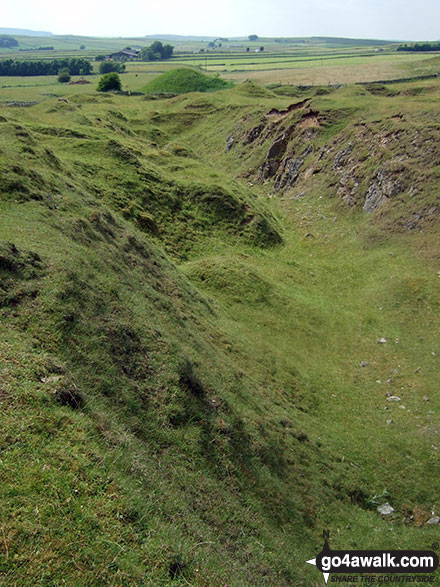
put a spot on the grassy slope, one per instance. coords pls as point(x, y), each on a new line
point(184, 415)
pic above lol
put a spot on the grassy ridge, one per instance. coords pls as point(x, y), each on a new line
point(181, 353)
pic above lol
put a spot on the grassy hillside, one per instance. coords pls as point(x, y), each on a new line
point(191, 297)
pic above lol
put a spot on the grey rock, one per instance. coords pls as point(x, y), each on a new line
point(394, 398)
point(382, 340)
point(290, 170)
point(364, 363)
point(386, 509)
point(342, 157)
point(375, 198)
point(51, 379)
point(433, 521)
point(229, 143)
point(383, 188)
point(276, 151)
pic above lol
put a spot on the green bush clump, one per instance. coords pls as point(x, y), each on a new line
point(109, 66)
point(64, 76)
point(108, 82)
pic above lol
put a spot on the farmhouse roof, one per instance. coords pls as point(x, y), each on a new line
point(125, 53)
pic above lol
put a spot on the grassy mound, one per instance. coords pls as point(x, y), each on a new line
point(182, 81)
point(253, 90)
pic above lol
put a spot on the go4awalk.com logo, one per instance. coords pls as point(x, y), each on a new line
point(405, 566)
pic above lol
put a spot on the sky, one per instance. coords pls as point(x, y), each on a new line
point(378, 19)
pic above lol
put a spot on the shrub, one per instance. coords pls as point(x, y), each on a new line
point(109, 66)
point(64, 76)
point(108, 82)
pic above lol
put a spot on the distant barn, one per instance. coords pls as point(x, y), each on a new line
point(125, 55)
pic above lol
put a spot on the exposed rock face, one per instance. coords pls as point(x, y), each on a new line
point(341, 158)
point(274, 156)
point(365, 166)
point(310, 119)
point(381, 190)
point(290, 170)
point(349, 186)
point(253, 134)
point(291, 108)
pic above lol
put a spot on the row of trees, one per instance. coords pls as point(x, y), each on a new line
point(420, 47)
point(74, 66)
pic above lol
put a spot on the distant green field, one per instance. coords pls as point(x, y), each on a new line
point(313, 61)
point(340, 69)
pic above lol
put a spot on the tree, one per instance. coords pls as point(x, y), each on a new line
point(109, 66)
point(82, 47)
point(156, 51)
point(247, 49)
point(253, 37)
point(109, 81)
point(156, 47)
point(261, 48)
point(167, 51)
point(64, 76)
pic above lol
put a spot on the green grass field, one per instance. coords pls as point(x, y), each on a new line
point(297, 70)
point(192, 386)
point(313, 61)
